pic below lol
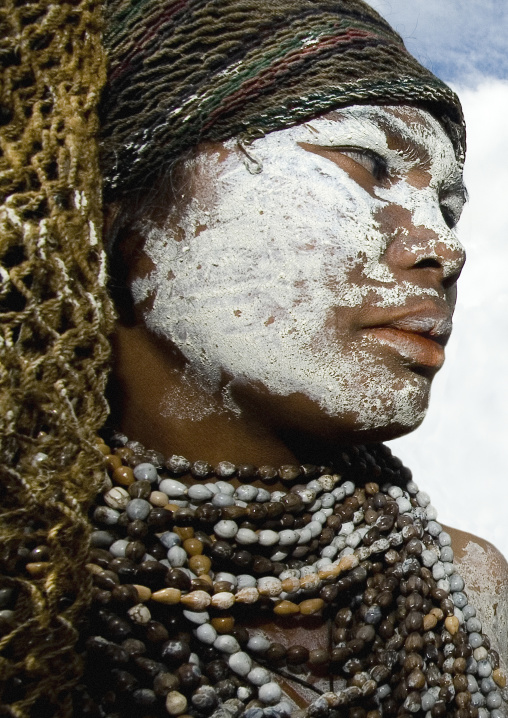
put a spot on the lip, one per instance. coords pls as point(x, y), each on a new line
point(418, 335)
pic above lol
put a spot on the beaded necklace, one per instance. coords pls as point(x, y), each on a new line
point(180, 556)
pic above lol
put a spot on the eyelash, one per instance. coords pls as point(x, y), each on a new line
point(371, 161)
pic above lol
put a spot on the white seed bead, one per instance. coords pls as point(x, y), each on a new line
point(423, 498)
point(315, 528)
point(258, 676)
point(444, 539)
point(225, 529)
point(223, 600)
point(176, 703)
point(198, 492)
point(431, 512)
point(267, 537)
point(349, 488)
point(429, 558)
point(177, 556)
point(270, 693)
point(339, 493)
point(246, 493)
point(117, 548)
point(395, 492)
point(438, 571)
point(145, 472)
point(197, 617)
point(347, 528)
point(269, 586)
point(240, 663)
point(246, 537)
point(225, 488)
point(287, 537)
point(212, 487)
point(304, 536)
point(139, 614)
point(206, 633)
point(263, 495)
point(117, 497)
point(279, 556)
point(258, 644)
point(247, 595)
point(404, 505)
point(306, 495)
point(328, 482)
point(245, 580)
point(319, 517)
point(226, 644)
point(173, 488)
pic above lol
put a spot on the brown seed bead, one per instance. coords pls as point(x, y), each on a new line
point(200, 564)
point(233, 513)
point(184, 532)
point(499, 677)
point(318, 657)
point(452, 624)
point(275, 653)
point(460, 683)
point(169, 596)
point(429, 622)
point(123, 475)
point(224, 624)
point(112, 462)
point(245, 471)
point(311, 606)
point(261, 564)
point(158, 498)
point(413, 643)
point(463, 699)
point(414, 621)
point(156, 632)
point(289, 472)
point(296, 655)
point(163, 683)
point(38, 569)
point(144, 593)
point(267, 473)
point(416, 679)
point(412, 661)
point(193, 546)
point(286, 608)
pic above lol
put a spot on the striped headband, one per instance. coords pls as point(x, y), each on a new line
point(186, 70)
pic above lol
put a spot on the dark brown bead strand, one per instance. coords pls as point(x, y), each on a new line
point(376, 608)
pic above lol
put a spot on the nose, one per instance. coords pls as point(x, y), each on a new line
point(431, 250)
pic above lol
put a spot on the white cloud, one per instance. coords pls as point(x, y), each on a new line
point(457, 40)
point(460, 453)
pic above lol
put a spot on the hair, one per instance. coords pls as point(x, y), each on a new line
point(179, 72)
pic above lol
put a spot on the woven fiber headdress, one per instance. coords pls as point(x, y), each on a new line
point(180, 70)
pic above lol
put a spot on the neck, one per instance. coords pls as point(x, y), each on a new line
point(157, 402)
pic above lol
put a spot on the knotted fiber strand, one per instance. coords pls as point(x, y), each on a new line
point(54, 318)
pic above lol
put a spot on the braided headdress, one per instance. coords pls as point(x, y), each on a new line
point(179, 71)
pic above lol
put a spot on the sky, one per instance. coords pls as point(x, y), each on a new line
point(460, 453)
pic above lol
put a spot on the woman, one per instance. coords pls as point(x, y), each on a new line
point(282, 185)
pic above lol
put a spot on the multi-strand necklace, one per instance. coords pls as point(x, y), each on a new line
point(184, 555)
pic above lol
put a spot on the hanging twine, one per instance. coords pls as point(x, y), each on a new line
point(54, 317)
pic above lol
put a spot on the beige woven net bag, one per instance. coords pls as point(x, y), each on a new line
point(55, 316)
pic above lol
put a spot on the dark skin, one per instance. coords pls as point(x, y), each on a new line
point(272, 429)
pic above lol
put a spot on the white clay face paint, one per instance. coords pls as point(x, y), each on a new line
point(274, 268)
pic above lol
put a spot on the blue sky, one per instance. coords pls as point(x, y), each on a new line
point(459, 454)
point(459, 40)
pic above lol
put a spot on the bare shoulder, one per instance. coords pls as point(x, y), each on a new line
point(485, 573)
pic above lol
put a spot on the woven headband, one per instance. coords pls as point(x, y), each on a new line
point(212, 69)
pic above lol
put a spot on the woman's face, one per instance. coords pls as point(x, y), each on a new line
point(311, 275)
